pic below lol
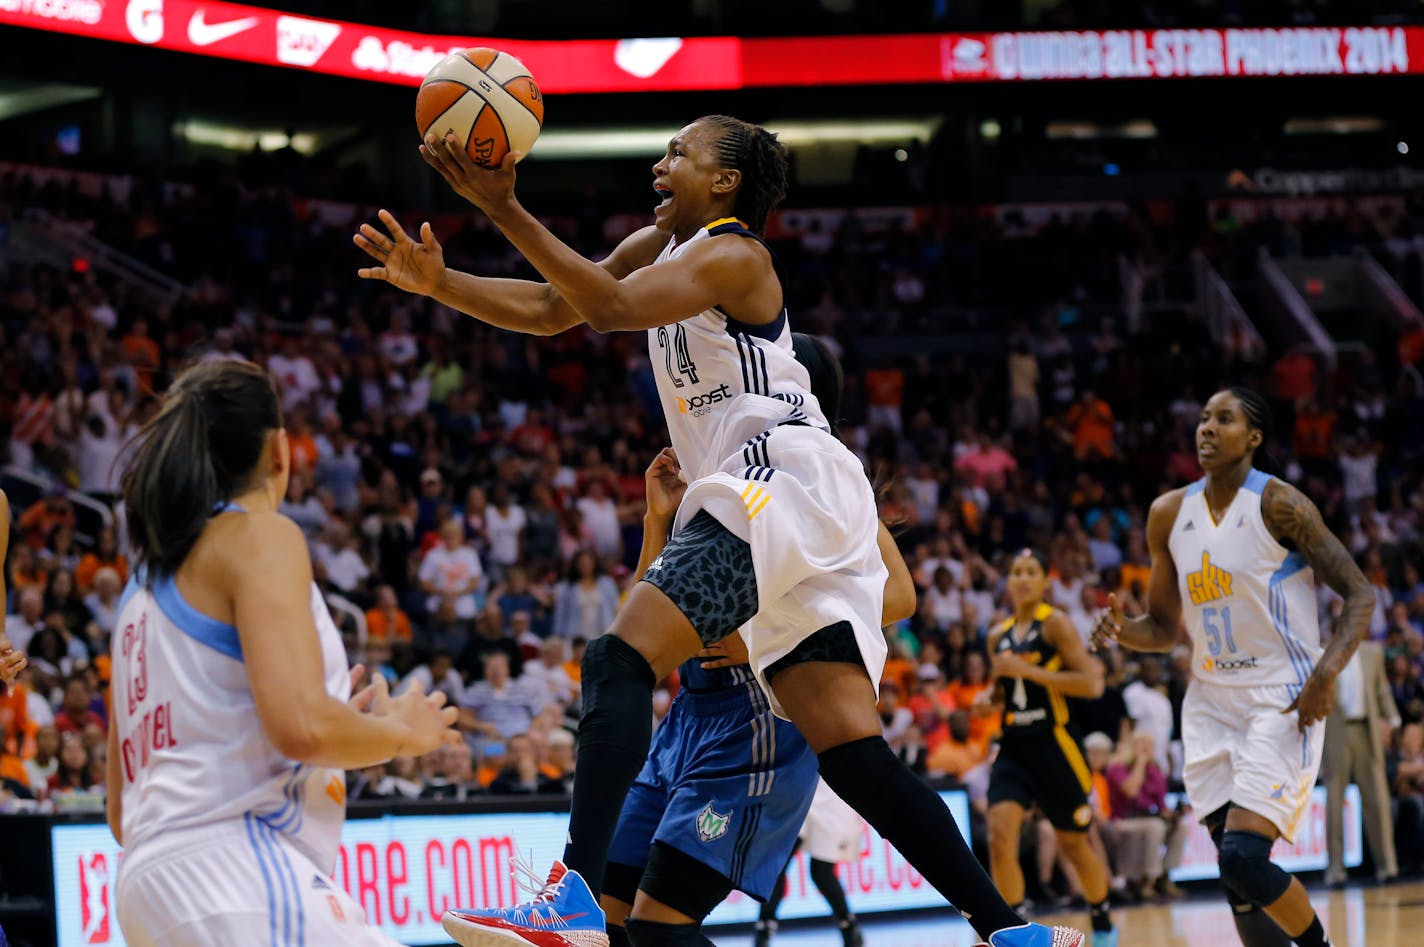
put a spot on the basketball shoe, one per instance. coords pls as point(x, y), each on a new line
point(562, 913)
point(1036, 935)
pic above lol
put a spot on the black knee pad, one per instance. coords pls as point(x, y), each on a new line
point(1246, 868)
point(621, 881)
point(614, 673)
point(676, 879)
point(653, 934)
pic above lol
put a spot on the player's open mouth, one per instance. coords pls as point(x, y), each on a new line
point(663, 193)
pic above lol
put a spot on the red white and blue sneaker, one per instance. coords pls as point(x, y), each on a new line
point(562, 913)
point(1036, 935)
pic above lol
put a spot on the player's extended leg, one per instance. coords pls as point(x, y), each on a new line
point(1094, 877)
point(823, 876)
point(766, 917)
point(649, 639)
point(1256, 925)
point(846, 734)
point(1005, 828)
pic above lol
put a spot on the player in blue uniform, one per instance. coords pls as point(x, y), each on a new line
point(720, 749)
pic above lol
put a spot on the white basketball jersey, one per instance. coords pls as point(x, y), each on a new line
point(1248, 603)
point(192, 751)
point(723, 382)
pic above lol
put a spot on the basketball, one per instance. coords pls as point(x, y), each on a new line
point(487, 98)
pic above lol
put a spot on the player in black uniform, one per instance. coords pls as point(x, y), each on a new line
point(1039, 661)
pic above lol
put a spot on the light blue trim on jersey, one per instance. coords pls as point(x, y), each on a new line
point(219, 636)
point(131, 588)
point(289, 817)
point(1280, 619)
point(227, 506)
point(1197, 487)
point(1256, 481)
point(266, 877)
point(283, 857)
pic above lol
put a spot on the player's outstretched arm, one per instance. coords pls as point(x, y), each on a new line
point(418, 266)
point(1158, 629)
point(720, 272)
point(269, 570)
point(1295, 522)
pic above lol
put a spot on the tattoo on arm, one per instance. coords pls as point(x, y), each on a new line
point(1295, 522)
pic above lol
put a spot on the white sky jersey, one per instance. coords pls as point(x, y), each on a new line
point(713, 370)
point(192, 750)
point(1248, 603)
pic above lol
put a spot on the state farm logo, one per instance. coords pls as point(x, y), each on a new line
point(94, 898)
point(964, 56)
point(396, 58)
point(144, 18)
point(88, 12)
point(302, 42)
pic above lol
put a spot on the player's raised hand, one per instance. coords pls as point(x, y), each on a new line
point(404, 263)
point(429, 722)
point(665, 484)
point(1108, 625)
point(1315, 699)
point(486, 188)
point(12, 662)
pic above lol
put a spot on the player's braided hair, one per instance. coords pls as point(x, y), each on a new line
point(1259, 415)
point(761, 158)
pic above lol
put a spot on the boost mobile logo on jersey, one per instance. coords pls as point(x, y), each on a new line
point(698, 405)
point(1224, 665)
point(1210, 583)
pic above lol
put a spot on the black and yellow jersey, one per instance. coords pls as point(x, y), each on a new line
point(1029, 705)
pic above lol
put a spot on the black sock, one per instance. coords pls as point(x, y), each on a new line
point(911, 816)
point(617, 936)
point(778, 891)
point(1256, 929)
point(614, 735)
point(1102, 920)
point(823, 875)
point(655, 934)
point(1314, 935)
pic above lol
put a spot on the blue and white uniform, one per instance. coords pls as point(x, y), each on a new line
point(226, 840)
point(758, 456)
point(1249, 607)
point(726, 782)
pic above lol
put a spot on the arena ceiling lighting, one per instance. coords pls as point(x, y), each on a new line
point(22, 100)
point(649, 142)
point(1335, 125)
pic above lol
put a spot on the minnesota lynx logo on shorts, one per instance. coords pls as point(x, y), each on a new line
point(712, 825)
point(1210, 583)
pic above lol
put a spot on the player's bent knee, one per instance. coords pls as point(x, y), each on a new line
point(1247, 870)
point(677, 888)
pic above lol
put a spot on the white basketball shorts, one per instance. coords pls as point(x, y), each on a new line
point(1241, 749)
point(234, 884)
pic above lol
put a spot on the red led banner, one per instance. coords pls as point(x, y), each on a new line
point(254, 34)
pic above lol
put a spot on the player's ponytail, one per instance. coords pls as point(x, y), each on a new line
point(1259, 416)
point(827, 376)
point(194, 454)
point(761, 158)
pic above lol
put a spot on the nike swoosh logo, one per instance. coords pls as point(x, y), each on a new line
point(203, 33)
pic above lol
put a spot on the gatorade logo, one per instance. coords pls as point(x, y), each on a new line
point(1209, 583)
point(698, 405)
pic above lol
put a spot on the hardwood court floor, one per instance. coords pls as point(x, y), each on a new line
point(1391, 916)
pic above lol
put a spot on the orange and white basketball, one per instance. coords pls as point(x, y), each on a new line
point(487, 98)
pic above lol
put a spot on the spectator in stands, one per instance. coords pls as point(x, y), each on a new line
point(521, 773)
point(75, 713)
point(437, 674)
point(547, 671)
point(40, 520)
point(386, 620)
point(28, 618)
point(451, 572)
point(105, 554)
point(455, 779)
point(500, 706)
point(1150, 709)
point(1407, 769)
point(1091, 423)
point(1141, 822)
point(559, 759)
point(586, 601)
point(40, 767)
point(505, 523)
point(72, 773)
